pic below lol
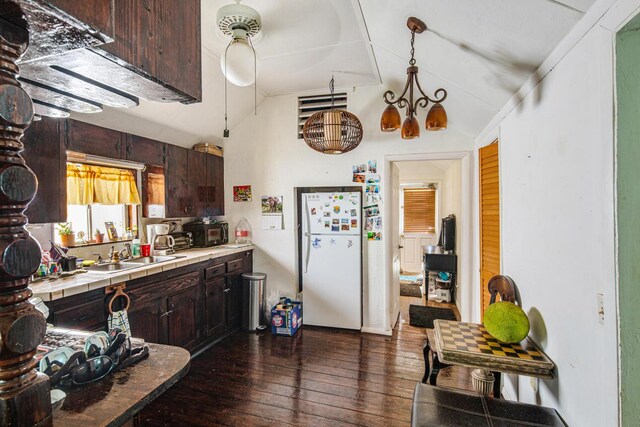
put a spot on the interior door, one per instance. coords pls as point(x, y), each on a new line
point(395, 241)
point(489, 219)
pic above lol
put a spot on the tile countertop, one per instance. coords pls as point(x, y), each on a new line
point(49, 290)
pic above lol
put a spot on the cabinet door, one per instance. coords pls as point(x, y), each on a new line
point(148, 320)
point(234, 293)
point(145, 150)
point(45, 154)
point(96, 140)
point(215, 185)
point(183, 318)
point(215, 306)
point(197, 162)
point(177, 183)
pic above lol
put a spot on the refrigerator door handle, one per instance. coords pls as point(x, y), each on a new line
point(306, 263)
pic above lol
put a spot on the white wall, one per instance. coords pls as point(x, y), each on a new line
point(557, 228)
point(263, 151)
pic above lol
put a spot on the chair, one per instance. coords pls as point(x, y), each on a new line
point(498, 285)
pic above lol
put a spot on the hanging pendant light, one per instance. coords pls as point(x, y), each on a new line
point(437, 116)
point(332, 131)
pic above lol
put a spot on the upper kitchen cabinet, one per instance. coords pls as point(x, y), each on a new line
point(198, 194)
point(44, 152)
point(89, 139)
point(215, 185)
point(177, 183)
point(145, 150)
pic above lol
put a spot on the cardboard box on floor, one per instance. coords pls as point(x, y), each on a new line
point(286, 318)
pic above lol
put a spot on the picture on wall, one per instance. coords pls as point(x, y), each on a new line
point(273, 205)
point(242, 193)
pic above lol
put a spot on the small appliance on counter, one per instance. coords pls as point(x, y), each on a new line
point(205, 235)
point(183, 240)
point(161, 242)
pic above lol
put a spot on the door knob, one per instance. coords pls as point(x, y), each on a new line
point(400, 247)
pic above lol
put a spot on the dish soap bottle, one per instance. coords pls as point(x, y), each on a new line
point(243, 231)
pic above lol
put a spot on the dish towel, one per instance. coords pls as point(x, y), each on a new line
point(120, 320)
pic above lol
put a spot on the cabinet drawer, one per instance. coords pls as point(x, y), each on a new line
point(84, 316)
point(235, 265)
point(213, 271)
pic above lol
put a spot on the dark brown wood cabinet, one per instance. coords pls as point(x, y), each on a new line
point(167, 311)
point(157, 38)
point(90, 139)
point(215, 307)
point(177, 183)
point(147, 319)
point(144, 150)
point(183, 312)
point(85, 311)
point(215, 185)
point(44, 152)
point(197, 165)
point(190, 307)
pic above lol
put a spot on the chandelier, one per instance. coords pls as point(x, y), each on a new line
point(436, 117)
point(332, 131)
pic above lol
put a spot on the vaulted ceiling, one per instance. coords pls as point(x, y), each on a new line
point(481, 52)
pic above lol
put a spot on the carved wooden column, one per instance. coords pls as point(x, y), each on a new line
point(24, 393)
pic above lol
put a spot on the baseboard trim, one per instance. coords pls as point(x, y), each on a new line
point(377, 331)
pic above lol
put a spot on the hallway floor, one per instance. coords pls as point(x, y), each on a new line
point(319, 377)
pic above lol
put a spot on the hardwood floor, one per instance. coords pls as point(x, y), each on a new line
point(320, 377)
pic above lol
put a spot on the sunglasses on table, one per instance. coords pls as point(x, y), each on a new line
point(103, 353)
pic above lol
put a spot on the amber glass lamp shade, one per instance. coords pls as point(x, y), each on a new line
point(410, 128)
point(390, 119)
point(436, 118)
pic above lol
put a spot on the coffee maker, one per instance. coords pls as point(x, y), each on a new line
point(159, 239)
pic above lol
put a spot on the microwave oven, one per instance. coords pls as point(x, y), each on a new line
point(205, 235)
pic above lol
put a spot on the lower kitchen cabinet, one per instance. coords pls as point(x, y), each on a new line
point(147, 320)
point(182, 318)
point(215, 308)
point(189, 307)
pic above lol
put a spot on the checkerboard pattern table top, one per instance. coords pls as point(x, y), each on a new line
point(471, 343)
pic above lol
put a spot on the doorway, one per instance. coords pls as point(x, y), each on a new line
point(440, 184)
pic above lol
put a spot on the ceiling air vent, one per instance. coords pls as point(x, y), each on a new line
point(308, 105)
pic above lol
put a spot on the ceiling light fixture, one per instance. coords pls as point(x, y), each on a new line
point(332, 131)
point(437, 116)
point(239, 63)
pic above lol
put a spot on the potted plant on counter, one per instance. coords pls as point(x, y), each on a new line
point(99, 237)
point(67, 238)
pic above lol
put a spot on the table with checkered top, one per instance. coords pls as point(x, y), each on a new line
point(469, 344)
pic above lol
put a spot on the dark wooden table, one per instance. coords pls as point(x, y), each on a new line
point(469, 344)
point(117, 398)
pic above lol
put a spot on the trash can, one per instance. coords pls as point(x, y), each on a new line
point(253, 301)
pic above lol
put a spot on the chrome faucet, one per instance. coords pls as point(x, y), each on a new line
point(113, 255)
point(126, 253)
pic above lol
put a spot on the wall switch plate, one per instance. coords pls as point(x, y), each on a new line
point(600, 308)
point(534, 383)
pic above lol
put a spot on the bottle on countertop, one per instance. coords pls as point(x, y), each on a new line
point(135, 247)
point(243, 231)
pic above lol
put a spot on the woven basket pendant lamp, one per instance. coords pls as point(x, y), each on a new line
point(332, 131)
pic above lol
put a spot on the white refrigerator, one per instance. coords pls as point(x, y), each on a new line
point(331, 259)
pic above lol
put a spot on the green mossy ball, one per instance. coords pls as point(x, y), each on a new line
point(506, 322)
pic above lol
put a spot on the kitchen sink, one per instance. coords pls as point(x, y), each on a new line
point(150, 259)
point(111, 267)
